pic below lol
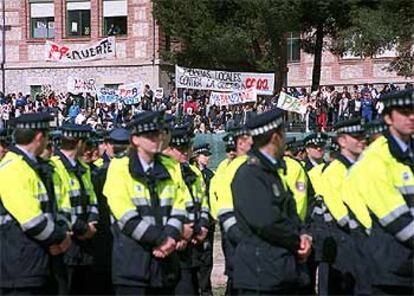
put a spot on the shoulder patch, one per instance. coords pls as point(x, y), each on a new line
point(5, 163)
point(253, 160)
point(276, 190)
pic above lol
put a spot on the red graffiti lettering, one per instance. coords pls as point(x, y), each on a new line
point(55, 49)
point(260, 84)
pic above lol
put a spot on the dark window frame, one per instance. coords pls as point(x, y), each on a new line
point(105, 27)
point(293, 57)
point(80, 12)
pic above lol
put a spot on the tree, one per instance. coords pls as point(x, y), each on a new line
point(232, 35)
point(381, 25)
point(320, 22)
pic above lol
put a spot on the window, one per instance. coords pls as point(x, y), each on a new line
point(42, 20)
point(78, 19)
point(293, 47)
point(348, 55)
point(115, 17)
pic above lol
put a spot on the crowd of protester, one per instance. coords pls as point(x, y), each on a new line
point(324, 107)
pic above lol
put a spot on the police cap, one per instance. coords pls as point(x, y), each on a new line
point(147, 122)
point(398, 99)
point(78, 131)
point(169, 121)
point(230, 142)
point(333, 145)
point(100, 136)
point(37, 121)
point(317, 139)
point(238, 130)
point(203, 149)
point(119, 136)
point(264, 122)
point(354, 126)
point(181, 136)
point(377, 126)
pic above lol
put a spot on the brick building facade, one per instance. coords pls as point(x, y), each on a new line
point(339, 71)
point(78, 23)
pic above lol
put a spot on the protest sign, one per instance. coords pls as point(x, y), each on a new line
point(223, 80)
point(159, 93)
point(79, 85)
point(102, 49)
point(291, 104)
point(128, 94)
point(107, 95)
point(234, 98)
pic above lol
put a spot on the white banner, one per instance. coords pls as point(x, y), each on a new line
point(224, 80)
point(234, 98)
point(292, 104)
point(102, 49)
point(128, 94)
point(79, 85)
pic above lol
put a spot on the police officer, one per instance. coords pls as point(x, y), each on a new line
point(222, 199)
point(116, 146)
point(197, 209)
point(314, 162)
point(73, 187)
point(4, 143)
point(230, 147)
point(266, 258)
point(28, 229)
point(295, 177)
point(384, 179)
point(149, 214)
point(341, 254)
point(102, 141)
point(315, 149)
point(200, 158)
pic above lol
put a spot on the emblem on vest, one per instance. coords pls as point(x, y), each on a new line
point(406, 176)
point(139, 188)
point(276, 191)
point(300, 186)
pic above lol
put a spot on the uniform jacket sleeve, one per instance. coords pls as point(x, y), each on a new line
point(21, 202)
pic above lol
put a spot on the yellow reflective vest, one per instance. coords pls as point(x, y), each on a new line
point(296, 179)
point(214, 186)
point(147, 207)
point(197, 208)
point(74, 191)
point(26, 229)
point(225, 208)
point(383, 179)
point(386, 185)
point(315, 175)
